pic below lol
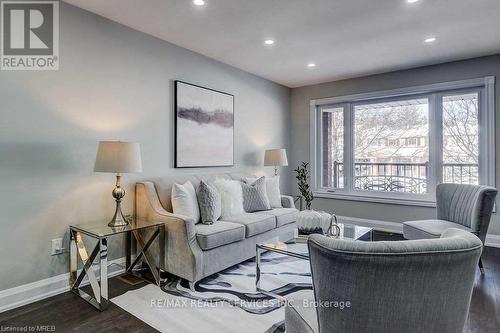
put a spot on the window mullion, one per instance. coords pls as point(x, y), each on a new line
point(348, 147)
point(318, 174)
point(486, 139)
point(435, 142)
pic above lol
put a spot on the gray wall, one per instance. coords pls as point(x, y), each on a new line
point(113, 84)
point(473, 68)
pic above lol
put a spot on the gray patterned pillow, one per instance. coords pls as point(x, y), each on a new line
point(209, 200)
point(255, 197)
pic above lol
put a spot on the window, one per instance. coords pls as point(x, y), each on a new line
point(333, 146)
point(395, 167)
point(400, 144)
point(461, 138)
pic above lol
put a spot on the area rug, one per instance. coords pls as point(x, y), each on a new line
point(224, 302)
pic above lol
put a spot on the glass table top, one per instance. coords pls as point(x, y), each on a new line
point(102, 229)
point(298, 245)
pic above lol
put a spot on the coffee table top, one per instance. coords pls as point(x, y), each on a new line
point(347, 232)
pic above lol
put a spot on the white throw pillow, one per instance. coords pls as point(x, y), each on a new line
point(231, 197)
point(272, 189)
point(184, 201)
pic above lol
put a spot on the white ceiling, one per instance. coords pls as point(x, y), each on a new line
point(345, 38)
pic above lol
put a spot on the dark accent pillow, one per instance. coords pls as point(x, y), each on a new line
point(209, 200)
point(255, 197)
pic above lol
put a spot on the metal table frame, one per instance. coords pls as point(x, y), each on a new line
point(99, 281)
point(260, 248)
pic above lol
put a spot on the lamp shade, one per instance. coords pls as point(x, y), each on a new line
point(118, 157)
point(275, 157)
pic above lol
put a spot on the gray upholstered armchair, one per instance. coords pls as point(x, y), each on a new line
point(466, 207)
point(390, 286)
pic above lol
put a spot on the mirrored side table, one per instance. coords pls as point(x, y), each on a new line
point(98, 279)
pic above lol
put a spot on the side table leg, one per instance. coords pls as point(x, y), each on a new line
point(89, 271)
point(103, 252)
point(144, 246)
point(161, 264)
point(73, 259)
point(128, 250)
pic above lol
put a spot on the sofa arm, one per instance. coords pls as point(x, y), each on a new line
point(148, 207)
point(287, 201)
point(183, 253)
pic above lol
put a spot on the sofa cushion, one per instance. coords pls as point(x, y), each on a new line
point(254, 223)
point(218, 234)
point(424, 229)
point(272, 189)
point(210, 203)
point(283, 215)
point(231, 196)
point(184, 201)
point(255, 196)
point(163, 185)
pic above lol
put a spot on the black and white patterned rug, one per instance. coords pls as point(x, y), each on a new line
point(224, 302)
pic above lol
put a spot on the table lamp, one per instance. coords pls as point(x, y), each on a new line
point(118, 157)
point(276, 158)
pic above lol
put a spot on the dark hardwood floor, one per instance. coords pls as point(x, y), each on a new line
point(71, 314)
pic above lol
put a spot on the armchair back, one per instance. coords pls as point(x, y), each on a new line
point(468, 205)
point(406, 286)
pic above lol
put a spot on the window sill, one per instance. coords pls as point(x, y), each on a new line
point(375, 199)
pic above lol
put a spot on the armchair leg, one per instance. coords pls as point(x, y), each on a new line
point(481, 268)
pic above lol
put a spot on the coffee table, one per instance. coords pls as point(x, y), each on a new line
point(347, 231)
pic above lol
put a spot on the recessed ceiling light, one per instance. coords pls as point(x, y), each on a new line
point(412, 1)
point(430, 40)
point(311, 65)
point(269, 42)
point(199, 2)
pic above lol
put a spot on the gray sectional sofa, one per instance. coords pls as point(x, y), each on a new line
point(194, 250)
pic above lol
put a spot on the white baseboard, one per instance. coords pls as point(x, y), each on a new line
point(491, 240)
point(38, 290)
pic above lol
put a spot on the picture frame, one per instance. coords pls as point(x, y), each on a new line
point(203, 127)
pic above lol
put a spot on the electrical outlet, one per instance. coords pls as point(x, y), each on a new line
point(57, 247)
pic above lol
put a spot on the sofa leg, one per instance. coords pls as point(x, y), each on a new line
point(481, 268)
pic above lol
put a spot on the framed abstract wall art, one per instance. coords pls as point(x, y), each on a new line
point(204, 127)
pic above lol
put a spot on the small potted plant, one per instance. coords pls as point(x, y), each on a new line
point(303, 176)
point(309, 221)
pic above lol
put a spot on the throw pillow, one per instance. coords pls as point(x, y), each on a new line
point(184, 201)
point(210, 203)
point(255, 196)
point(231, 197)
point(272, 190)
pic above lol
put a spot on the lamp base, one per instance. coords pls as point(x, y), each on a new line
point(118, 220)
